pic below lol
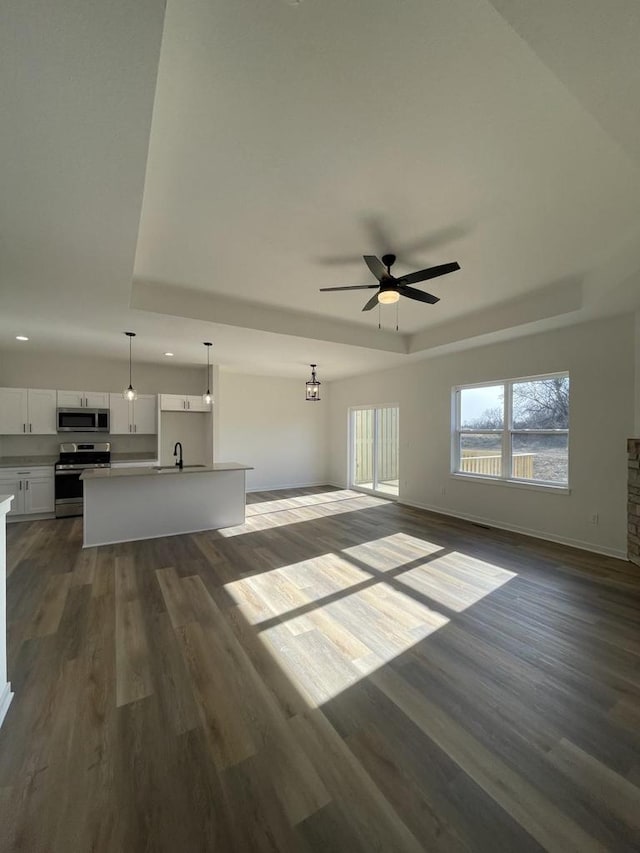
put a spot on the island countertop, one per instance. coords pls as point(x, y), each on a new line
point(116, 473)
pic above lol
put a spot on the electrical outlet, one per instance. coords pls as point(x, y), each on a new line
point(595, 518)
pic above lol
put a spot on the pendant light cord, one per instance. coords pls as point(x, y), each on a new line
point(130, 385)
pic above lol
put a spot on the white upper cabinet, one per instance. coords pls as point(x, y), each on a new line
point(119, 415)
point(96, 399)
point(145, 409)
point(138, 416)
point(183, 403)
point(27, 410)
point(195, 403)
point(14, 415)
point(42, 411)
point(83, 399)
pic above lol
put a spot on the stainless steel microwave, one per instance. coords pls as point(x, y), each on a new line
point(82, 420)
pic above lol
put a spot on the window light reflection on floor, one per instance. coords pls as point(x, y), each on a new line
point(349, 502)
point(334, 619)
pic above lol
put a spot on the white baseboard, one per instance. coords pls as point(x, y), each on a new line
point(5, 700)
point(526, 531)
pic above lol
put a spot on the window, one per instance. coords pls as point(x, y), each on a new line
point(516, 430)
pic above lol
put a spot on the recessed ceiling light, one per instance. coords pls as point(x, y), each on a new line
point(21, 338)
point(169, 354)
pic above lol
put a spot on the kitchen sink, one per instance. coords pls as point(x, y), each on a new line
point(165, 468)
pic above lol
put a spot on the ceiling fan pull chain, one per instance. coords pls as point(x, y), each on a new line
point(397, 308)
point(379, 316)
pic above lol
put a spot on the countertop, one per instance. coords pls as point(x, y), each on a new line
point(114, 473)
point(26, 461)
point(33, 460)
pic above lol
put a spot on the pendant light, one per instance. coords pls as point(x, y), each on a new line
point(313, 386)
point(208, 396)
point(130, 393)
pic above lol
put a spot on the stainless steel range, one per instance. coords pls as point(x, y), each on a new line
point(74, 459)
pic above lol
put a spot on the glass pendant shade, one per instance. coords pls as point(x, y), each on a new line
point(313, 386)
point(207, 397)
point(130, 392)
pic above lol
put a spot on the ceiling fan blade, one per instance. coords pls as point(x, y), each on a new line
point(432, 272)
point(420, 295)
point(352, 287)
point(376, 266)
point(371, 303)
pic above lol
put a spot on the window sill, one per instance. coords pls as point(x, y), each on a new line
point(513, 484)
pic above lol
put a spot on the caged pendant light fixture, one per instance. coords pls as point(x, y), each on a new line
point(313, 386)
point(207, 397)
point(130, 393)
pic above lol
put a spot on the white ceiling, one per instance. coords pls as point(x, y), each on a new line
point(202, 181)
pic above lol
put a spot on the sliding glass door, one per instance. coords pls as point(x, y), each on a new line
point(374, 449)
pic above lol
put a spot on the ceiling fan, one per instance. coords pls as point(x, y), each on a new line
point(390, 289)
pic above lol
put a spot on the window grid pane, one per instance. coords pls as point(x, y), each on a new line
point(532, 444)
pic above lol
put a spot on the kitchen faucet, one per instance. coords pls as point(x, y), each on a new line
point(177, 445)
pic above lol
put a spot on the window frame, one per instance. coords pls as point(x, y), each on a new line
point(507, 432)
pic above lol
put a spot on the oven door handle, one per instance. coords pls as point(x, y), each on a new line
point(68, 473)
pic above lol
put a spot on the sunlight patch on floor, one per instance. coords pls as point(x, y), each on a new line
point(268, 521)
point(281, 591)
point(262, 507)
point(455, 580)
point(389, 552)
point(336, 644)
point(332, 620)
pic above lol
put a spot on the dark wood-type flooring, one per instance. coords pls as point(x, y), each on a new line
point(341, 673)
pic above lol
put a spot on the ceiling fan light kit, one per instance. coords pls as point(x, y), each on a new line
point(390, 288)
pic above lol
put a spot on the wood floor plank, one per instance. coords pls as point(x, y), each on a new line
point(47, 617)
point(133, 678)
point(218, 696)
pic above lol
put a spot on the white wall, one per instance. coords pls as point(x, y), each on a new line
point(266, 422)
point(600, 358)
point(192, 429)
point(69, 373)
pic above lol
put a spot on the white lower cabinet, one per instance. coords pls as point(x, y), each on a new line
point(33, 489)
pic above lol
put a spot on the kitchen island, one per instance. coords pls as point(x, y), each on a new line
point(125, 504)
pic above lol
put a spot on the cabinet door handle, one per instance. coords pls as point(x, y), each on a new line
point(26, 485)
point(24, 427)
point(20, 481)
point(188, 404)
point(30, 427)
point(135, 427)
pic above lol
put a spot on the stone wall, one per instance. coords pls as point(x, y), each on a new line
point(633, 506)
